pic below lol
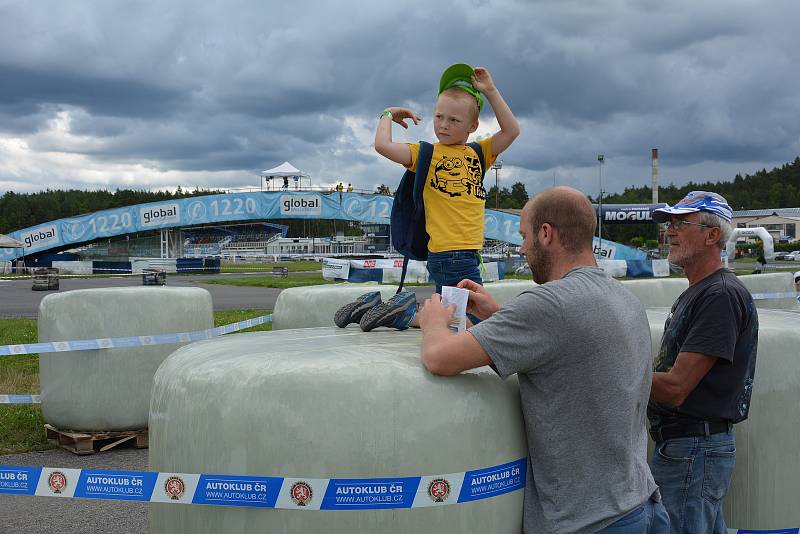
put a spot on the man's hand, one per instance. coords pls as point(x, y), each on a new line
point(482, 80)
point(480, 303)
point(399, 115)
point(443, 351)
point(434, 315)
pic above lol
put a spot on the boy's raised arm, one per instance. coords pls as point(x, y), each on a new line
point(509, 126)
point(397, 152)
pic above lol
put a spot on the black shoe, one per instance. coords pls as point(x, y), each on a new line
point(353, 312)
point(397, 312)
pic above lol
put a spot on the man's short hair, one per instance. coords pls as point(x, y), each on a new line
point(714, 220)
point(570, 213)
point(459, 94)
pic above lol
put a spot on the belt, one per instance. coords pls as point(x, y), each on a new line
point(701, 428)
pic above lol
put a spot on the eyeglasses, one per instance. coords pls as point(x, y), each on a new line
point(680, 224)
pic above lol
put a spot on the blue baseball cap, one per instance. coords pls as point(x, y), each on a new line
point(693, 202)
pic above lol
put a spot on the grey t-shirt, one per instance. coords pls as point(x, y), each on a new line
point(581, 349)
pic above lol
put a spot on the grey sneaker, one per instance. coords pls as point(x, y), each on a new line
point(353, 312)
point(396, 312)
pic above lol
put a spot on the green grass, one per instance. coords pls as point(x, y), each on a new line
point(293, 280)
point(224, 317)
point(293, 266)
point(22, 425)
point(22, 429)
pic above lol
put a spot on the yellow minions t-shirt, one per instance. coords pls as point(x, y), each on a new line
point(454, 195)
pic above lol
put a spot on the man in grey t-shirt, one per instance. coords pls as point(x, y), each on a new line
point(580, 345)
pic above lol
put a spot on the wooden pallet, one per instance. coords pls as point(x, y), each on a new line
point(92, 442)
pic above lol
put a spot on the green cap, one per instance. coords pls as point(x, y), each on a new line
point(460, 75)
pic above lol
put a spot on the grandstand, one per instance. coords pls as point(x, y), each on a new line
point(230, 240)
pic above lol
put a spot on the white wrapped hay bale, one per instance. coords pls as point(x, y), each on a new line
point(505, 290)
point(330, 403)
point(657, 292)
point(656, 317)
point(764, 491)
point(313, 306)
point(772, 283)
point(109, 389)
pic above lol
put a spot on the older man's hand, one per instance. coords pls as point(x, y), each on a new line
point(434, 314)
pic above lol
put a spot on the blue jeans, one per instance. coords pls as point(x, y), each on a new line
point(449, 268)
point(649, 518)
point(693, 475)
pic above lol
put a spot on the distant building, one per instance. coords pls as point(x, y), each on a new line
point(377, 237)
point(783, 224)
point(315, 245)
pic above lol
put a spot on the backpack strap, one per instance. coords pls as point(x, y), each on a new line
point(424, 157)
point(479, 151)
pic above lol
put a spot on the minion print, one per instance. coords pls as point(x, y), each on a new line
point(459, 176)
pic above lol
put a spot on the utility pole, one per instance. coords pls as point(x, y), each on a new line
point(497, 166)
point(600, 160)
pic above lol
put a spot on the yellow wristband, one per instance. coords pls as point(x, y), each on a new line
point(386, 113)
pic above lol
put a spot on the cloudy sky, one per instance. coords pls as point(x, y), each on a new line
point(157, 94)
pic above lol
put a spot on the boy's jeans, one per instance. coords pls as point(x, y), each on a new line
point(449, 268)
point(649, 518)
point(693, 475)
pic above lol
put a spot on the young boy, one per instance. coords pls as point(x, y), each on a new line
point(454, 195)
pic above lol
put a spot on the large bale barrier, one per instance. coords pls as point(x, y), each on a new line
point(109, 389)
point(764, 492)
point(313, 306)
point(329, 403)
point(780, 283)
point(662, 292)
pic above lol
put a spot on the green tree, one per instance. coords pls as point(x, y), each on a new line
point(637, 241)
point(519, 196)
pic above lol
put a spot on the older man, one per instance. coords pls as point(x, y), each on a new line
point(579, 343)
point(704, 369)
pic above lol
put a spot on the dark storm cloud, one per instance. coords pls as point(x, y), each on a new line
point(22, 118)
point(121, 98)
point(238, 87)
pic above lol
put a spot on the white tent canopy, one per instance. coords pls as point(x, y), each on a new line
point(10, 242)
point(284, 169)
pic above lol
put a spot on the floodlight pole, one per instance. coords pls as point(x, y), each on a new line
point(600, 160)
point(497, 166)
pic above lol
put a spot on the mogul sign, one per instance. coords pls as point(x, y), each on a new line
point(628, 213)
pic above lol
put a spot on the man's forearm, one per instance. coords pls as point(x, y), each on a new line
point(435, 349)
point(666, 390)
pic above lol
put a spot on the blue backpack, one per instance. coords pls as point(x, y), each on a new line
point(409, 236)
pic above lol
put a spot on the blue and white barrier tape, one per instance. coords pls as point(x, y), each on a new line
point(774, 296)
point(185, 337)
point(21, 398)
point(266, 491)
point(131, 341)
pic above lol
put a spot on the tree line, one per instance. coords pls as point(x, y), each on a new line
point(21, 210)
point(777, 188)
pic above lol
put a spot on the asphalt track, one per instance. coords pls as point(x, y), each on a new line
point(44, 515)
point(17, 299)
